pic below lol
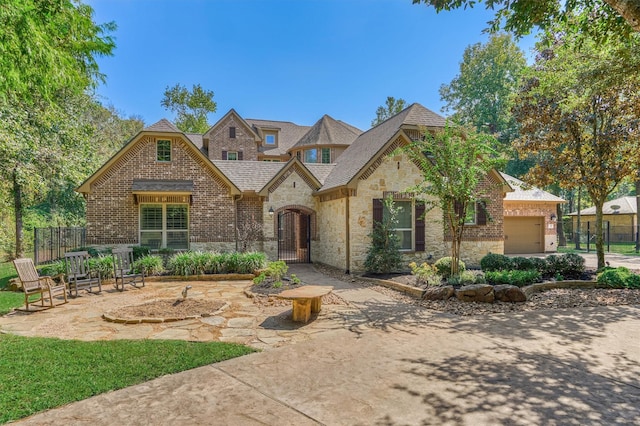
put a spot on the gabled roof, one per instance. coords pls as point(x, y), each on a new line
point(524, 192)
point(627, 205)
point(291, 166)
point(369, 144)
point(249, 175)
point(163, 125)
point(288, 134)
point(328, 131)
point(239, 118)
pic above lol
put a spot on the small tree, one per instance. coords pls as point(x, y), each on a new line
point(453, 161)
point(383, 255)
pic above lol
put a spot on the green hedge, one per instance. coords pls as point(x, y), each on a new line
point(618, 278)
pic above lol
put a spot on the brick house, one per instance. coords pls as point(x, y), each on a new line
point(313, 192)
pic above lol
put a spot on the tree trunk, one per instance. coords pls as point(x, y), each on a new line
point(562, 239)
point(17, 206)
point(576, 232)
point(636, 229)
point(599, 237)
point(629, 10)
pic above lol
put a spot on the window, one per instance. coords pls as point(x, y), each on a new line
point(476, 213)
point(163, 150)
point(404, 227)
point(326, 155)
point(298, 155)
point(164, 226)
point(310, 156)
point(270, 139)
point(231, 155)
point(232, 132)
point(470, 218)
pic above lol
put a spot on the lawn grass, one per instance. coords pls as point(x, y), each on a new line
point(38, 374)
point(7, 271)
point(627, 249)
point(8, 299)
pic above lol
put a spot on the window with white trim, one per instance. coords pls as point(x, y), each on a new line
point(164, 226)
point(163, 150)
point(270, 138)
point(232, 155)
point(404, 226)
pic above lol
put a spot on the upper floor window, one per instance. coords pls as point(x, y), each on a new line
point(310, 156)
point(232, 132)
point(270, 139)
point(163, 150)
point(232, 155)
point(326, 155)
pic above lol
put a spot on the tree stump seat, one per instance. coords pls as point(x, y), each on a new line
point(306, 299)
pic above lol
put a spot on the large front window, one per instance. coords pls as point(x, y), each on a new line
point(404, 226)
point(164, 226)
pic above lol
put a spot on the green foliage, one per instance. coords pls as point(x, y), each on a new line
point(199, 263)
point(277, 284)
point(480, 94)
point(596, 19)
point(140, 251)
point(466, 278)
point(444, 268)
point(102, 264)
point(260, 279)
point(618, 278)
point(295, 279)
point(54, 268)
point(513, 277)
point(425, 274)
point(391, 108)
point(10, 300)
point(251, 261)
point(383, 255)
point(522, 263)
point(495, 262)
point(191, 107)
point(76, 370)
point(540, 265)
point(568, 265)
point(149, 264)
point(7, 272)
point(277, 270)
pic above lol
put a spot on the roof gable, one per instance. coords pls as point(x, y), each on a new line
point(524, 192)
point(292, 166)
point(627, 205)
point(328, 131)
point(232, 112)
point(163, 125)
point(372, 143)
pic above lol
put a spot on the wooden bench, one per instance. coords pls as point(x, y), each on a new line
point(306, 299)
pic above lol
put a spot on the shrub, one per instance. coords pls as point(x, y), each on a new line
point(93, 252)
point(102, 264)
point(618, 278)
point(522, 264)
point(260, 279)
point(277, 270)
point(140, 252)
point(182, 264)
point(251, 261)
point(295, 279)
point(513, 277)
point(56, 268)
point(150, 265)
point(466, 278)
point(568, 265)
point(495, 262)
point(383, 255)
point(425, 274)
point(443, 266)
point(539, 264)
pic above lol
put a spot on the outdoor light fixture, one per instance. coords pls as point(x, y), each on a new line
point(270, 211)
point(553, 217)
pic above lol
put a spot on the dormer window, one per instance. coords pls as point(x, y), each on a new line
point(270, 139)
point(163, 150)
point(232, 132)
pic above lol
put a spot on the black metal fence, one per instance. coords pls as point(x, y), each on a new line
point(619, 234)
point(50, 244)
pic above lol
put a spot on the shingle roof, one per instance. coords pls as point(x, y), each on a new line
point(627, 206)
point(288, 134)
point(367, 145)
point(525, 192)
point(196, 138)
point(249, 175)
point(320, 171)
point(161, 185)
point(163, 125)
point(328, 131)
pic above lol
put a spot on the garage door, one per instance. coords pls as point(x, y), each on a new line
point(523, 235)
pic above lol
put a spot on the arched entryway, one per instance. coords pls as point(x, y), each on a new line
point(294, 236)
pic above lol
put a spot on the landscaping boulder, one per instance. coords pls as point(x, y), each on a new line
point(438, 292)
point(509, 293)
point(476, 293)
point(14, 285)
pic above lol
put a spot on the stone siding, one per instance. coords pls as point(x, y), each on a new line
point(113, 217)
point(219, 140)
point(331, 243)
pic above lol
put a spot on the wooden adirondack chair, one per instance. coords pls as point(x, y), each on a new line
point(124, 273)
point(32, 283)
point(79, 274)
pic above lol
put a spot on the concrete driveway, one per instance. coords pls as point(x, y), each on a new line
point(395, 364)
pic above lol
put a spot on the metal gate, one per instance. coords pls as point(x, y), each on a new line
point(294, 237)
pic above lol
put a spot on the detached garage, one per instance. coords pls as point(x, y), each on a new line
point(530, 224)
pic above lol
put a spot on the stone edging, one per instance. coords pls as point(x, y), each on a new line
point(110, 318)
point(527, 290)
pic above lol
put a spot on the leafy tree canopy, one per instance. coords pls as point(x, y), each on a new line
point(191, 107)
point(48, 46)
point(391, 108)
point(598, 18)
point(579, 115)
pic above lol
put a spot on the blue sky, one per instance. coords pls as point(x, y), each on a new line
point(290, 60)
